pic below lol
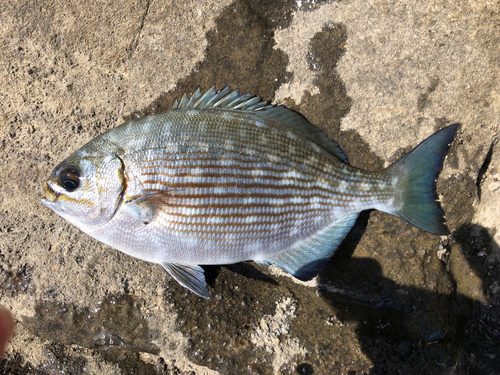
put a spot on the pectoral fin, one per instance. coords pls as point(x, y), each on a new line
point(147, 207)
point(191, 277)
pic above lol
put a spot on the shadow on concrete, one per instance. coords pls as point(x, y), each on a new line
point(408, 330)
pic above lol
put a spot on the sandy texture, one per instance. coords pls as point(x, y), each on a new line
point(273, 335)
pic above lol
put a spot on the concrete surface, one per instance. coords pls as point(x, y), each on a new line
point(377, 76)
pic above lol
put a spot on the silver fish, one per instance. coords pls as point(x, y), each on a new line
point(225, 178)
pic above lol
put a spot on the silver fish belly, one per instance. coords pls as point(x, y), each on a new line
point(224, 178)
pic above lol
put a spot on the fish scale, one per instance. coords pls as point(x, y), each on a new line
point(224, 178)
point(239, 141)
point(202, 132)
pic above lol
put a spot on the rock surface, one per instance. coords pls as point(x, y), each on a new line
point(377, 76)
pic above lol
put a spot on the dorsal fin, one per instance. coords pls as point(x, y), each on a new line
point(290, 120)
point(297, 123)
point(222, 99)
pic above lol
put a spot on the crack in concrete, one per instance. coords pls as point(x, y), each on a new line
point(135, 41)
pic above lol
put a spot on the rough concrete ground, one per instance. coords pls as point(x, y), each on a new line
point(377, 76)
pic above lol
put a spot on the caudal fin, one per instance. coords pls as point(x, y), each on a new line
point(416, 174)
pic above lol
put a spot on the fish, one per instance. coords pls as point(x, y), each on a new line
point(225, 177)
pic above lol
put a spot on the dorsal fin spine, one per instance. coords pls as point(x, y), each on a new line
point(205, 98)
point(184, 101)
point(194, 98)
point(223, 99)
point(228, 101)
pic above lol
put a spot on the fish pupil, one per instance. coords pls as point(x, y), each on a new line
point(69, 178)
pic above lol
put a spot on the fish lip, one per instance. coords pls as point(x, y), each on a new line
point(46, 203)
point(50, 194)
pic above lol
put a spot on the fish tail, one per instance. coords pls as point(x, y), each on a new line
point(415, 182)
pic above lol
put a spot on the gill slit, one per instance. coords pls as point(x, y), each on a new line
point(121, 196)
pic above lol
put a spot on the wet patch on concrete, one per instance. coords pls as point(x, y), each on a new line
point(460, 192)
point(61, 362)
point(116, 329)
point(327, 108)
point(395, 319)
point(239, 53)
point(14, 283)
point(220, 329)
point(15, 364)
point(459, 195)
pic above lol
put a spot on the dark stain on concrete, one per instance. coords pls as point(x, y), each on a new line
point(14, 283)
point(220, 329)
point(117, 331)
point(327, 108)
point(240, 53)
point(423, 98)
point(61, 361)
point(15, 364)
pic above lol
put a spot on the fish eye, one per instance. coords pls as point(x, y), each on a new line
point(69, 178)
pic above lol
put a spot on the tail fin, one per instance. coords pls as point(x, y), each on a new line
point(416, 174)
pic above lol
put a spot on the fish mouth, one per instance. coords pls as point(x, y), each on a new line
point(50, 195)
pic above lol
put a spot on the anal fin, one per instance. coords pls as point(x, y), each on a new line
point(190, 277)
point(307, 258)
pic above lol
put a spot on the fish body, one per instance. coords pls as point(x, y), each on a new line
point(224, 178)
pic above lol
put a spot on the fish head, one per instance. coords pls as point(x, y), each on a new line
point(86, 188)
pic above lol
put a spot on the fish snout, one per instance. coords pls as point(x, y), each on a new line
point(50, 195)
